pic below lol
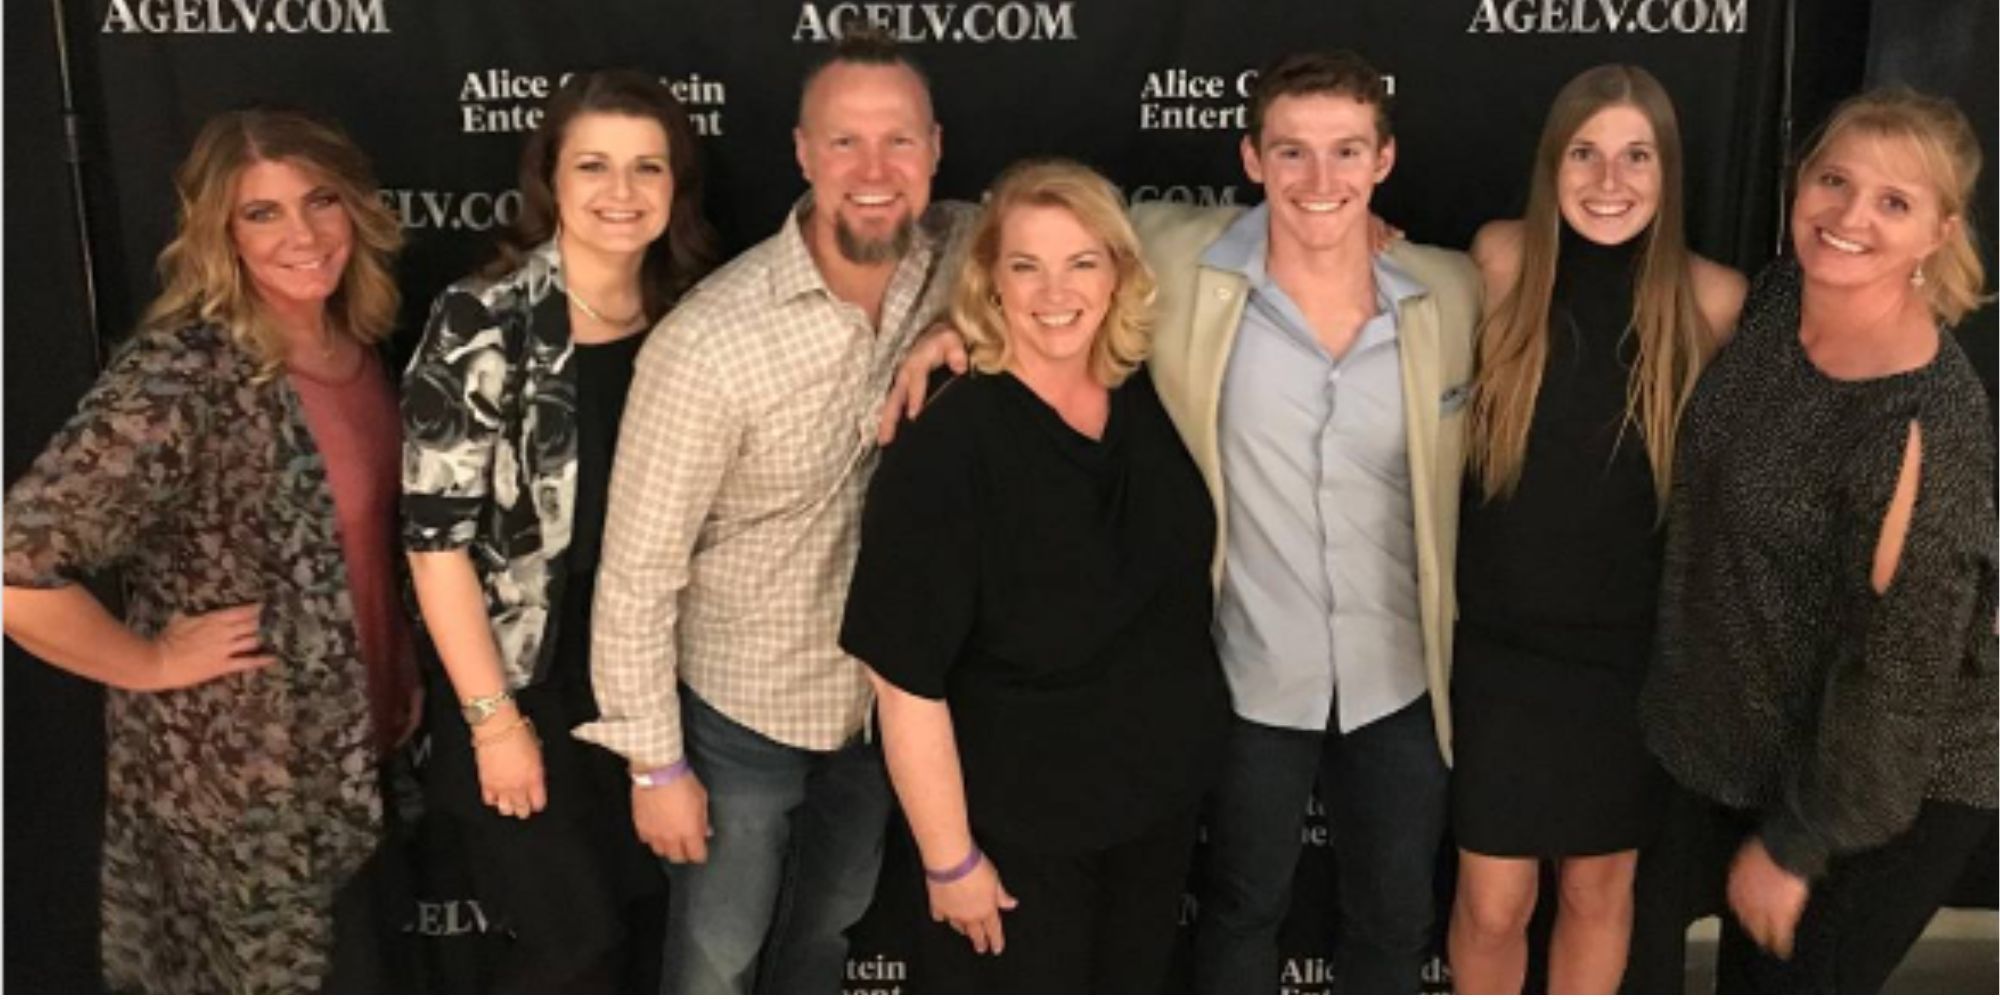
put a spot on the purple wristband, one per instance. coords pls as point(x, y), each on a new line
point(661, 776)
point(957, 871)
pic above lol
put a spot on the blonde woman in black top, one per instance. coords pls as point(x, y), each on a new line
point(1032, 599)
point(1825, 689)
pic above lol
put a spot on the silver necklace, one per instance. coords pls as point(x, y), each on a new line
point(617, 324)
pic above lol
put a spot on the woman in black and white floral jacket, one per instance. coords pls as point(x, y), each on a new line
point(510, 418)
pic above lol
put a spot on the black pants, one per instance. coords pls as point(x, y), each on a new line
point(1860, 920)
point(1097, 922)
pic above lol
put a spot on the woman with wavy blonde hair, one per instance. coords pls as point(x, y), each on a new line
point(1032, 600)
point(238, 461)
point(202, 276)
point(1599, 321)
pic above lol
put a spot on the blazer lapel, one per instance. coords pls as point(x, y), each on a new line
point(1218, 312)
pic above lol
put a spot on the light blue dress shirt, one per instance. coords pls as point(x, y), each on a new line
point(1319, 581)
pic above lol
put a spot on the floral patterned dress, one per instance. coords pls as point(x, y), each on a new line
point(235, 808)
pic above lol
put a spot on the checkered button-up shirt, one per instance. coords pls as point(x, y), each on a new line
point(735, 509)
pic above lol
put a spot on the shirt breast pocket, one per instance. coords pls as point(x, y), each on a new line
point(804, 450)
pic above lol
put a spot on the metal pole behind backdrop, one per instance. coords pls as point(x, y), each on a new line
point(1786, 114)
point(73, 158)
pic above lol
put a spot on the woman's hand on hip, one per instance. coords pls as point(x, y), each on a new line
point(196, 649)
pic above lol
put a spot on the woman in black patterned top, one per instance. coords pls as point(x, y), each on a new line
point(510, 411)
point(1825, 685)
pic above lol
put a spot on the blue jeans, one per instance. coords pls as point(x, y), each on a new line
point(1386, 792)
point(791, 866)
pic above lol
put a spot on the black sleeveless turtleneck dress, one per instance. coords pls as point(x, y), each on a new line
point(1557, 586)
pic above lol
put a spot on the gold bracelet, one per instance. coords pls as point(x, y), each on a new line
point(487, 740)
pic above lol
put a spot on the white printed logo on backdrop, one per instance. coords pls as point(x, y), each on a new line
point(1604, 17)
point(233, 17)
point(975, 23)
point(1180, 99)
point(500, 100)
point(457, 211)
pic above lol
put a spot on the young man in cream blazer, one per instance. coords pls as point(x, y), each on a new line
point(1320, 386)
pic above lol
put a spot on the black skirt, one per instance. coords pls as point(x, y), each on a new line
point(1547, 760)
point(564, 882)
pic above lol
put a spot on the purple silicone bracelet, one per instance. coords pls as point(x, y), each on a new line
point(957, 871)
point(659, 776)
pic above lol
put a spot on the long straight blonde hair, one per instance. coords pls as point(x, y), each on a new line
point(1674, 339)
point(201, 278)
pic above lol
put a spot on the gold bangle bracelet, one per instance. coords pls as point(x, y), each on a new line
point(488, 739)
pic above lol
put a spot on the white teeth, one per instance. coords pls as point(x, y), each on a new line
point(618, 216)
point(308, 266)
point(872, 200)
point(1844, 246)
point(1320, 207)
point(1603, 210)
point(1058, 319)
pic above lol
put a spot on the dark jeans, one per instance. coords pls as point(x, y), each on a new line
point(1386, 791)
point(791, 866)
point(1860, 920)
point(1091, 922)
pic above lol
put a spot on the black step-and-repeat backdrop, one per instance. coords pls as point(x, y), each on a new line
point(441, 93)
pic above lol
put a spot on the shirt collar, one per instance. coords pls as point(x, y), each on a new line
point(794, 273)
point(1244, 247)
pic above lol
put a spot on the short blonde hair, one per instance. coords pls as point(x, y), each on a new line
point(1937, 132)
point(1122, 341)
point(202, 280)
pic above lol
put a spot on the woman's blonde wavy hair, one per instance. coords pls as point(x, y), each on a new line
point(1941, 137)
point(1123, 339)
point(202, 280)
point(1674, 338)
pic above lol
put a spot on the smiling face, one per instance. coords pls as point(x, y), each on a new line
point(1866, 213)
point(867, 143)
point(1608, 182)
point(293, 235)
point(613, 183)
point(1055, 279)
point(1319, 158)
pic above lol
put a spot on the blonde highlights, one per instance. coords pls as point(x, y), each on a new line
point(201, 277)
point(1673, 337)
point(1937, 132)
point(1122, 341)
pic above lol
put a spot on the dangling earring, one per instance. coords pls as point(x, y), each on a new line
point(1917, 277)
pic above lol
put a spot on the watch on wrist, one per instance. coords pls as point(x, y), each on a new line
point(478, 710)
